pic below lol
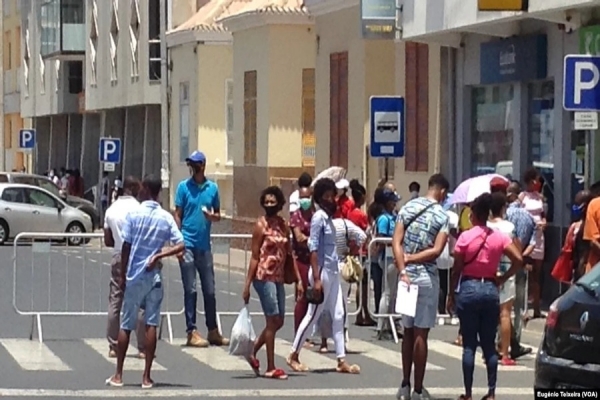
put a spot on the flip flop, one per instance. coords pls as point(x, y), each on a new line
point(276, 374)
point(323, 350)
point(254, 364)
point(348, 369)
point(148, 385)
point(296, 366)
point(112, 383)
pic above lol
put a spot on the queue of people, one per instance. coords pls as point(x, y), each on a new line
point(328, 230)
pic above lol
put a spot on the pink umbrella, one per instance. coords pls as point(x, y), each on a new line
point(472, 188)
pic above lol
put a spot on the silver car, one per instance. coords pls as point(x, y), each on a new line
point(26, 208)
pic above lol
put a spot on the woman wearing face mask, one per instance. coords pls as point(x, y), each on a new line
point(324, 278)
point(300, 225)
point(475, 284)
point(270, 250)
point(533, 201)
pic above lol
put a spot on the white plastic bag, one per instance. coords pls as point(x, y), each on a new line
point(242, 335)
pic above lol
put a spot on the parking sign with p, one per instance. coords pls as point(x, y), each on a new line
point(110, 150)
point(27, 138)
point(581, 83)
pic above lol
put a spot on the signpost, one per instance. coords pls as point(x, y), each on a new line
point(110, 150)
point(27, 139)
point(378, 19)
point(387, 128)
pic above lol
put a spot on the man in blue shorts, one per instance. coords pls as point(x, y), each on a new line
point(197, 206)
point(145, 233)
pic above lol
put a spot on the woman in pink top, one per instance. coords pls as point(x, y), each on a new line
point(477, 253)
point(532, 200)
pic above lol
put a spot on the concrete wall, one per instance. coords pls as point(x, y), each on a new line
point(133, 143)
point(127, 90)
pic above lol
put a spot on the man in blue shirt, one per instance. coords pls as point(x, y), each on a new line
point(197, 206)
point(145, 232)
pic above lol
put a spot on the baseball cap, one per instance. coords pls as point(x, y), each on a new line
point(196, 157)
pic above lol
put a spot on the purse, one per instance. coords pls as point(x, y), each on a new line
point(563, 267)
point(289, 272)
point(314, 297)
point(351, 270)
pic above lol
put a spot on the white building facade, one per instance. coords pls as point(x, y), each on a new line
point(92, 69)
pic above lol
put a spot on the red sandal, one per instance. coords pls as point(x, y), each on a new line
point(255, 365)
point(276, 374)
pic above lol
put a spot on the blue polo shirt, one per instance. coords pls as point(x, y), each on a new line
point(191, 197)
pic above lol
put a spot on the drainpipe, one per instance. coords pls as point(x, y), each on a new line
point(165, 172)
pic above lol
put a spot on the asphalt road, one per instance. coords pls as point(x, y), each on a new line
point(72, 361)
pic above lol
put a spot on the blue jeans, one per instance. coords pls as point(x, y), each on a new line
point(272, 297)
point(202, 262)
point(478, 309)
point(377, 278)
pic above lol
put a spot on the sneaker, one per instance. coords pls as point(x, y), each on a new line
point(195, 340)
point(403, 393)
point(216, 339)
point(424, 395)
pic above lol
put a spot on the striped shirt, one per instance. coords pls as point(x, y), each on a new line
point(345, 231)
point(322, 240)
point(148, 229)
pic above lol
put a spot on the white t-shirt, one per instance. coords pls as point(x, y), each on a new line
point(445, 260)
point(294, 201)
point(115, 217)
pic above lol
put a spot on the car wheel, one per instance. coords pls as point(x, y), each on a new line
point(75, 227)
point(3, 232)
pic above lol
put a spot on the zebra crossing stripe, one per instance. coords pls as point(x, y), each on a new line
point(217, 358)
point(33, 356)
point(132, 361)
point(382, 354)
point(453, 351)
point(308, 357)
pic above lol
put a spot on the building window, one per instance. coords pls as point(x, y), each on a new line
point(229, 119)
point(8, 133)
point(18, 47)
point(93, 43)
point(492, 130)
point(75, 76)
point(417, 107)
point(26, 59)
point(154, 67)
point(134, 37)
point(7, 52)
point(308, 117)
point(57, 79)
point(250, 122)
point(184, 121)
point(6, 7)
point(42, 65)
point(114, 42)
point(338, 109)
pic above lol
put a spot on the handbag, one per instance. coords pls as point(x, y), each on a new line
point(351, 269)
point(314, 297)
point(289, 272)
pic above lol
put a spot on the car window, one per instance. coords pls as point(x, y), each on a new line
point(3, 178)
point(13, 195)
point(39, 198)
point(592, 278)
point(49, 186)
point(25, 180)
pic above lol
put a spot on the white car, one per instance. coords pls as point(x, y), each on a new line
point(26, 208)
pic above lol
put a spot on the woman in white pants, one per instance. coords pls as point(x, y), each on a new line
point(324, 279)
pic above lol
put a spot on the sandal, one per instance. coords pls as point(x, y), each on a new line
point(507, 362)
point(254, 364)
point(276, 374)
point(464, 397)
point(111, 382)
point(347, 369)
point(296, 366)
point(324, 350)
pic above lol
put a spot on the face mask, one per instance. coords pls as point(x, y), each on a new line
point(577, 212)
point(271, 210)
point(305, 204)
point(330, 207)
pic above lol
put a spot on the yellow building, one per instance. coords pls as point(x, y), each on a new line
point(11, 157)
point(349, 70)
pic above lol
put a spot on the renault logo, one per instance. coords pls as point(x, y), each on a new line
point(583, 320)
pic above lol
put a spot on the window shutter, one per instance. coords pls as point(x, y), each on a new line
point(334, 95)
point(417, 107)
point(250, 92)
point(308, 117)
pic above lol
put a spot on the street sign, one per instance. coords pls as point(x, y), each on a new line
point(586, 120)
point(110, 150)
point(581, 91)
point(387, 126)
point(27, 138)
point(109, 167)
point(378, 19)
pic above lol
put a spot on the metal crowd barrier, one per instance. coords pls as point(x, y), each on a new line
point(70, 281)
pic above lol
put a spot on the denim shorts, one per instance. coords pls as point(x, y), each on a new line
point(427, 307)
point(144, 292)
point(272, 297)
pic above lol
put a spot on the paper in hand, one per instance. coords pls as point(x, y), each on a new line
point(406, 299)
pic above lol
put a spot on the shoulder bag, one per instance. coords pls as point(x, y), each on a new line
point(351, 270)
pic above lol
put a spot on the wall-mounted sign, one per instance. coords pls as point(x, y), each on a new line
point(503, 5)
point(589, 40)
point(517, 59)
point(378, 19)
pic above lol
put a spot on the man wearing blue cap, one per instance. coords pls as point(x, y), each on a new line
point(197, 206)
